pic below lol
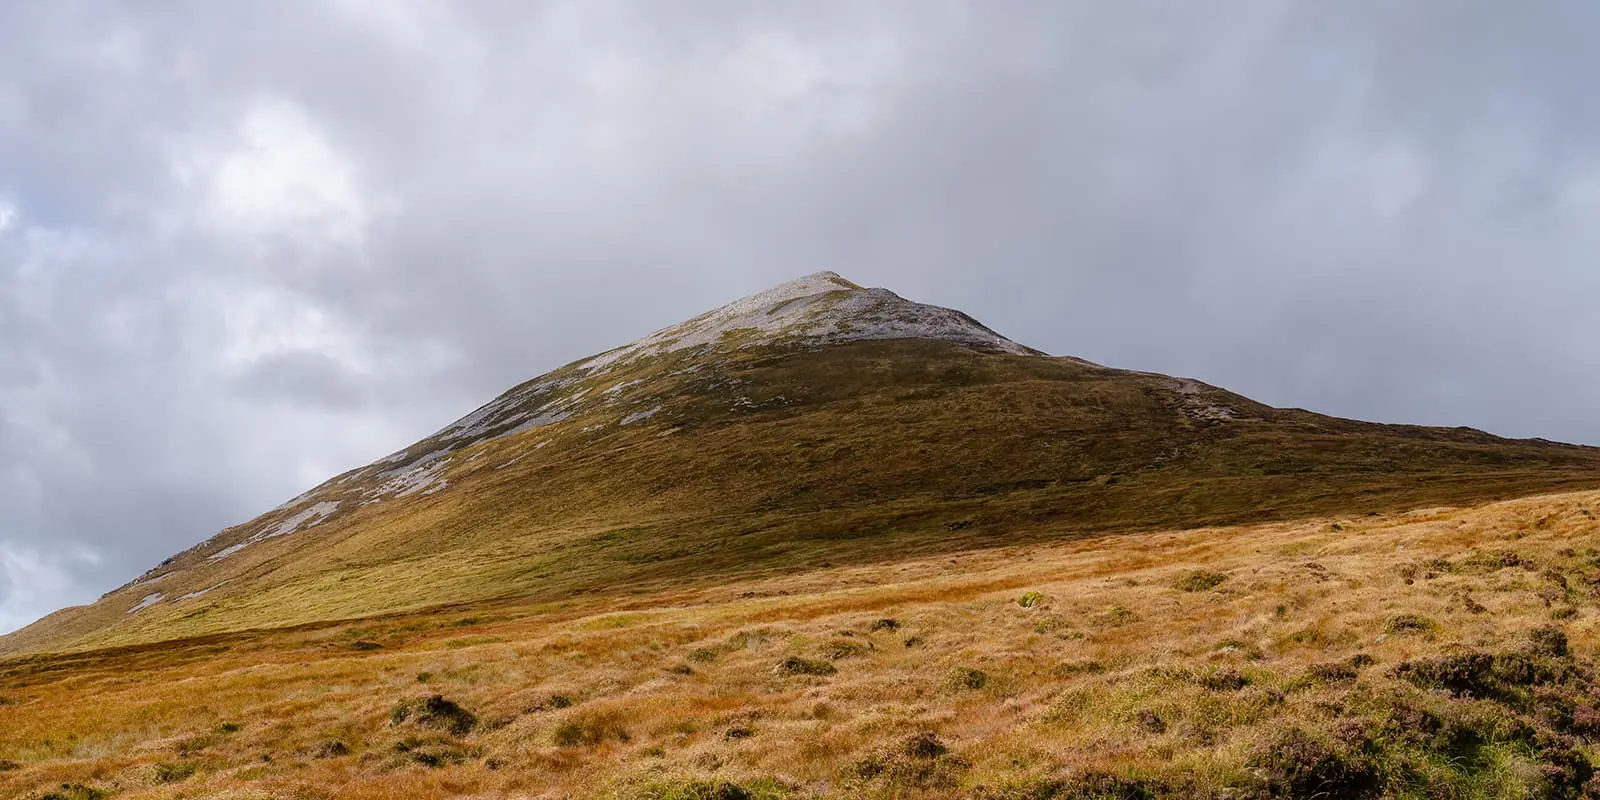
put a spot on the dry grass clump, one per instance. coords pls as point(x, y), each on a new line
point(1318, 671)
point(1200, 581)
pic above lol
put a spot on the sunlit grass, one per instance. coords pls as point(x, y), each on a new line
point(1123, 670)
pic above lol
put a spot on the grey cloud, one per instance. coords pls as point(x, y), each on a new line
point(257, 245)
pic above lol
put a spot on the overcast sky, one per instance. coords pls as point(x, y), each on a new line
point(247, 245)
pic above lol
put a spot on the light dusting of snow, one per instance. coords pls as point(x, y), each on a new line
point(567, 402)
point(228, 551)
point(640, 415)
point(312, 515)
point(148, 601)
point(507, 415)
point(145, 578)
point(308, 518)
point(499, 413)
point(539, 421)
point(1197, 407)
point(412, 480)
point(201, 593)
point(820, 308)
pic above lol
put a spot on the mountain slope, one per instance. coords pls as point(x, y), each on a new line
point(817, 422)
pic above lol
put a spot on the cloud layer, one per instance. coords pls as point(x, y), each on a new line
point(244, 249)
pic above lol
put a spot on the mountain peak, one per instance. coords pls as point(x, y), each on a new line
point(817, 309)
point(815, 283)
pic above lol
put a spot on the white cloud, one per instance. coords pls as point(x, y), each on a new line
point(264, 321)
point(280, 177)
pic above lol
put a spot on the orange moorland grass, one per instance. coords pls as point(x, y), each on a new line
point(1436, 653)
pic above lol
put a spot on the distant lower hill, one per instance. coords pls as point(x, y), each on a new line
point(815, 423)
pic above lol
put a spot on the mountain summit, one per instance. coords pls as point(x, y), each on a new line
point(817, 422)
point(823, 308)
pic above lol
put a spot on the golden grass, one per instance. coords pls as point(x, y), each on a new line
point(1124, 667)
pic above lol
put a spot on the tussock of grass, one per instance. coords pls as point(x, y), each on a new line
point(1200, 581)
point(695, 789)
point(591, 728)
point(795, 665)
point(434, 711)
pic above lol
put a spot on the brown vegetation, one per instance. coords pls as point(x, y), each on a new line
point(1338, 659)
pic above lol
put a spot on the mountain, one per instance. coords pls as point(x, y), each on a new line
point(813, 424)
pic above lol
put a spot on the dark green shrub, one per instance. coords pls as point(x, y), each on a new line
point(1224, 680)
point(794, 665)
point(843, 648)
point(434, 711)
point(1085, 786)
point(1068, 669)
point(969, 678)
point(1549, 640)
point(919, 764)
point(172, 773)
point(1408, 624)
point(1116, 617)
point(1296, 764)
point(552, 703)
point(712, 790)
point(434, 753)
point(333, 749)
point(1199, 581)
point(1339, 671)
point(924, 745)
point(74, 791)
point(1470, 673)
point(1149, 721)
point(589, 730)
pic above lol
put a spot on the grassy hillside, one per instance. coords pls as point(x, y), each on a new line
point(1428, 654)
point(768, 460)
